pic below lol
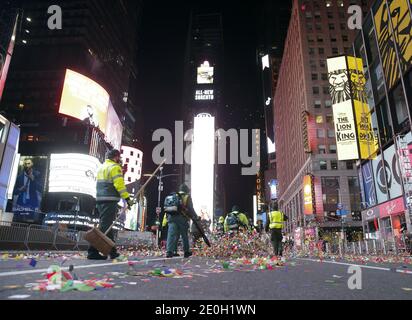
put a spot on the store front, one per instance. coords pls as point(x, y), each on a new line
point(386, 221)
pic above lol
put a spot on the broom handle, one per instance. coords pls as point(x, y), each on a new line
point(137, 194)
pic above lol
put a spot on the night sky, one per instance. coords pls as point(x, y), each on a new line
point(161, 63)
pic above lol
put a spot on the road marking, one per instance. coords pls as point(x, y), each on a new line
point(15, 273)
point(351, 264)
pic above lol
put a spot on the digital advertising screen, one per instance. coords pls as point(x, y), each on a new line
point(73, 173)
point(84, 99)
point(205, 74)
point(114, 128)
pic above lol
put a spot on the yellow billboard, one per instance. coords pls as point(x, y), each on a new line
point(367, 138)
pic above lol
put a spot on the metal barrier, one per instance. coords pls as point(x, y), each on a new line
point(37, 235)
point(13, 232)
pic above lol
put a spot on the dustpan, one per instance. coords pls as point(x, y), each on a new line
point(100, 240)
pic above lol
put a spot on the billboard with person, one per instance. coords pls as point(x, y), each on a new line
point(84, 99)
point(114, 128)
point(28, 189)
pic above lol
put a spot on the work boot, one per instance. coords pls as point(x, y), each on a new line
point(176, 254)
point(96, 256)
point(188, 254)
point(114, 254)
point(169, 255)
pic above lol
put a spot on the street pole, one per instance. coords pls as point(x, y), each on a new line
point(158, 205)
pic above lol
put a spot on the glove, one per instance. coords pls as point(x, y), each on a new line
point(130, 203)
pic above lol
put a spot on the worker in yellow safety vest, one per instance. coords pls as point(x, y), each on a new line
point(277, 220)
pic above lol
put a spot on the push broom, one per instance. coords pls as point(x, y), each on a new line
point(100, 240)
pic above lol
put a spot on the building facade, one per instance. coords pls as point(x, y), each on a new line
point(385, 46)
point(303, 119)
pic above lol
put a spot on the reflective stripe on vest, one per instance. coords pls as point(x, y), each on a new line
point(276, 220)
point(105, 189)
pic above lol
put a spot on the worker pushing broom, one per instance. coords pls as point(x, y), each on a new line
point(110, 189)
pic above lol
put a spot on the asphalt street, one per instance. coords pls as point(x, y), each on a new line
point(205, 279)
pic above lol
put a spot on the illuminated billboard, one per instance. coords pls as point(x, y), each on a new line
point(74, 173)
point(202, 175)
point(368, 139)
point(308, 206)
point(114, 128)
point(84, 99)
point(204, 95)
point(28, 189)
point(133, 158)
point(205, 74)
point(355, 137)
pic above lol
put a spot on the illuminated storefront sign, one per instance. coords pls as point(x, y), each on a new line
point(204, 95)
point(74, 173)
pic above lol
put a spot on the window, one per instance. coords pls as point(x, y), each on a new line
point(342, 25)
point(312, 64)
point(309, 26)
point(349, 165)
point(335, 50)
point(332, 149)
point(323, 165)
point(331, 133)
point(318, 27)
point(318, 104)
point(308, 15)
point(320, 39)
point(317, 14)
point(354, 193)
point(319, 119)
point(322, 64)
point(331, 26)
point(345, 38)
point(315, 90)
point(322, 149)
point(329, 118)
point(370, 41)
point(332, 39)
point(324, 76)
point(320, 133)
point(385, 129)
point(328, 103)
point(330, 191)
point(310, 39)
point(321, 50)
point(311, 51)
point(326, 90)
point(314, 76)
point(334, 165)
point(342, 15)
point(330, 15)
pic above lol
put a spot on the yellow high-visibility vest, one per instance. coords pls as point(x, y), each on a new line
point(276, 220)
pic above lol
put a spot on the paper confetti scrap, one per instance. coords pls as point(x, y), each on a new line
point(19, 296)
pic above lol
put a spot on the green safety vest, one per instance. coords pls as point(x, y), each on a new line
point(276, 220)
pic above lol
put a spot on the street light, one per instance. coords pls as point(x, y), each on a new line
point(159, 177)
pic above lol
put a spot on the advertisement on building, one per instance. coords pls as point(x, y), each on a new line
point(387, 31)
point(308, 205)
point(369, 184)
point(205, 74)
point(29, 188)
point(133, 158)
point(368, 140)
point(203, 171)
point(114, 128)
point(379, 178)
point(74, 173)
point(393, 176)
point(84, 99)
